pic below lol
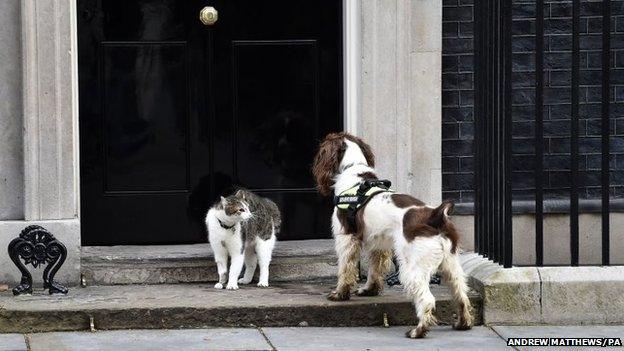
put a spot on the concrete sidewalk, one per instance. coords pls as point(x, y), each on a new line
point(300, 339)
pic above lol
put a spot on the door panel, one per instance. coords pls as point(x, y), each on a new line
point(174, 113)
point(145, 117)
point(275, 110)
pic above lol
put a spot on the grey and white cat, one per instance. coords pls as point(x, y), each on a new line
point(244, 227)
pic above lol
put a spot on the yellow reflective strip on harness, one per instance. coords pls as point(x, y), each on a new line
point(353, 192)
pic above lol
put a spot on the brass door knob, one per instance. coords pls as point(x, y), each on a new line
point(208, 15)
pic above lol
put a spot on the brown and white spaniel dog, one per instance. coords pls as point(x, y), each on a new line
point(423, 238)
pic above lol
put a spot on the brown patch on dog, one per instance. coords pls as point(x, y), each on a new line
point(425, 221)
point(344, 222)
point(451, 233)
point(359, 222)
point(415, 224)
point(330, 153)
point(440, 213)
point(403, 201)
point(368, 176)
point(439, 219)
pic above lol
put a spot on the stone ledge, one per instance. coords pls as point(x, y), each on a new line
point(201, 306)
point(546, 295)
point(168, 264)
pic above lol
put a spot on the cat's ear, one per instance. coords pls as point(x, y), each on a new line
point(240, 194)
point(223, 201)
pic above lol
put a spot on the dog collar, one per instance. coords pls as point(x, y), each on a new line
point(225, 226)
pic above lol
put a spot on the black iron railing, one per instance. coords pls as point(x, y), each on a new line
point(493, 131)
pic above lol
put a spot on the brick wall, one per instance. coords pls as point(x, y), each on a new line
point(457, 98)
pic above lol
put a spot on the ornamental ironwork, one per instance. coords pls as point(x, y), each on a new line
point(37, 247)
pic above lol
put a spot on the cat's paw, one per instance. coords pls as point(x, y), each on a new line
point(218, 286)
point(263, 284)
point(244, 281)
point(232, 287)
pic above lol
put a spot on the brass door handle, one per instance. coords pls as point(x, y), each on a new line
point(208, 15)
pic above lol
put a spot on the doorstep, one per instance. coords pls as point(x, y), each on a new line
point(173, 306)
point(167, 264)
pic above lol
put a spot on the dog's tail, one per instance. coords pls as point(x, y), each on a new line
point(440, 219)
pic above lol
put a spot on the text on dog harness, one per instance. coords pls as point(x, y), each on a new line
point(352, 199)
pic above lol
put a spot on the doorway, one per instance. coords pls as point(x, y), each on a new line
point(175, 113)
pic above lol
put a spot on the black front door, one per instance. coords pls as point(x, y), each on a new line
point(174, 113)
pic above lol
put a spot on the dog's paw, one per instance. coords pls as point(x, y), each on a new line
point(263, 284)
point(462, 324)
point(417, 333)
point(218, 286)
point(244, 281)
point(232, 287)
point(338, 296)
point(367, 292)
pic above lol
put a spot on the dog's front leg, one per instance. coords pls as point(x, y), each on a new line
point(348, 251)
point(379, 265)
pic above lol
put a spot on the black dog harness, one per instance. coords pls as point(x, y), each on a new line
point(354, 198)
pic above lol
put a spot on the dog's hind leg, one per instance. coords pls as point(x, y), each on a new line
point(379, 265)
point(424, 301)
point(455, 278)
point(348, 250)
point(417, 262)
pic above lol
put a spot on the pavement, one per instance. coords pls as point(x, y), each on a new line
point(303, 339)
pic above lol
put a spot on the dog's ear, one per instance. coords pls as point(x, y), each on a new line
point(327, 161)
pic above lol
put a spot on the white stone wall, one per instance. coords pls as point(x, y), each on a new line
point(39, 128)
point(401, 48)
point(11, 156)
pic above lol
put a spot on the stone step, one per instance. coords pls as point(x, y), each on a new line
point(172, 306)
point(168, 264)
